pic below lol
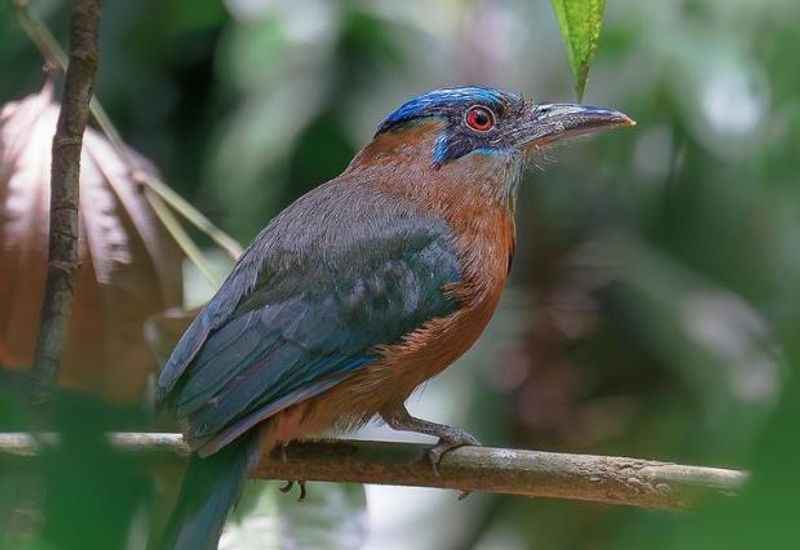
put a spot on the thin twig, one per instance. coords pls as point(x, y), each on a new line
point(181, 237)
point(40, 35)
point(606, 479)
point(64, 190)
point(230, 245)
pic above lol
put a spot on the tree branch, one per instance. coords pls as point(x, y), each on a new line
point(64, 190)
point(606, 479)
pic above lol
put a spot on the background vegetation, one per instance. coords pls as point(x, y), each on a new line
point(652, 308)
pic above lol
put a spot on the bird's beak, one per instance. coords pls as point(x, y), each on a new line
point(550, 122)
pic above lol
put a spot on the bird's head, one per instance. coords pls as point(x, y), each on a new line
point(457, 129)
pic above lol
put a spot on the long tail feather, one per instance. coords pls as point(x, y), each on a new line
point(210, 489)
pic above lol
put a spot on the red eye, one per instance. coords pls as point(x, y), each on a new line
point(480, 118)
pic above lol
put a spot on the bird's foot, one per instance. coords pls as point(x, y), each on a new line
point(288, 487)
point(458, 438)
point(449, 437)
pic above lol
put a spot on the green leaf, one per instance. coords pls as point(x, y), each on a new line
point(580, 22)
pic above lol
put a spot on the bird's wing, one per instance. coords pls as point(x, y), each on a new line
point(303, 311)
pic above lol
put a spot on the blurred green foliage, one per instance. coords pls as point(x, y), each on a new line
point(652, 309)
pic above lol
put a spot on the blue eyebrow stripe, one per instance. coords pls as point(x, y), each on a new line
point(435, 101)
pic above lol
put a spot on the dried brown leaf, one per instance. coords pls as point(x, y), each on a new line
point(130, 267)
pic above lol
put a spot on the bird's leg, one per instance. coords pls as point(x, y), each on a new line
point(399, 418)
point(288, 487)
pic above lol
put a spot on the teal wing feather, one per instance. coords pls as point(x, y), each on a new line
point(303, 311)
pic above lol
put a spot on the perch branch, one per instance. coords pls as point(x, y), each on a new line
point(63, 257)
point(606, 479)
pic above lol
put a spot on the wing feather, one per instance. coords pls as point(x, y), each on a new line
point(301, 312)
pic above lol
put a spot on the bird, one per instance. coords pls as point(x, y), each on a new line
point(358, 292)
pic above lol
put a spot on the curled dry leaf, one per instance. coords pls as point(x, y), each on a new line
point(130, 267)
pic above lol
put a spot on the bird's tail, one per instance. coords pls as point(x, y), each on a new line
point(210, 489)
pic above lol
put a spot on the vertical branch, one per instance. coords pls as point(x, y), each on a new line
point(64, 189)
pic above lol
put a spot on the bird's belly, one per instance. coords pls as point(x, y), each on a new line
point(427, 351)
point(422, 353)
point(389, 381)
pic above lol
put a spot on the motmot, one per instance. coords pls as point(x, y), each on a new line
point(358, 292)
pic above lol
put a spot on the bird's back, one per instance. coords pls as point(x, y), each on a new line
point(344, 270)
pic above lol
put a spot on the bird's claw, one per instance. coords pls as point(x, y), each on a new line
point(446, 445)
point(288, 487)
point(449, 437)
point(459, 438)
